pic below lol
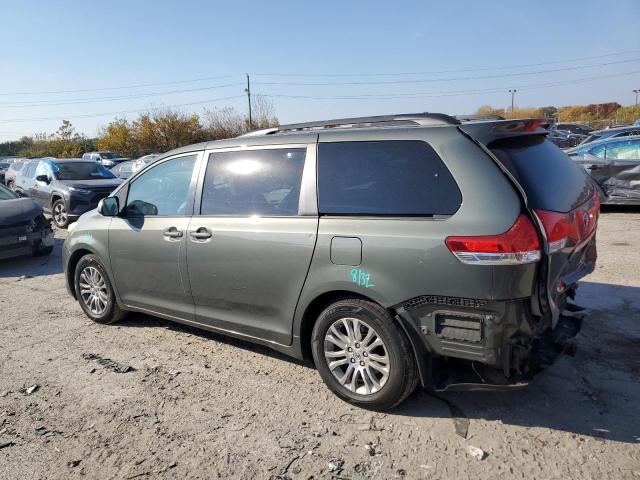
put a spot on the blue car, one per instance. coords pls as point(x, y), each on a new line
point(614, 164)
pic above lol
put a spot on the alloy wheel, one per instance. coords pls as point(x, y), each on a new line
point(93, 290)
point(356, 355)
point(60, 214)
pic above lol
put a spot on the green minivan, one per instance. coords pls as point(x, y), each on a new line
point(390, 251)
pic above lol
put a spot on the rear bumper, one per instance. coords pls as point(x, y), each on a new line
point(482, 345)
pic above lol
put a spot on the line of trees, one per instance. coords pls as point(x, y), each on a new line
point(156, 131)
point(596, 115)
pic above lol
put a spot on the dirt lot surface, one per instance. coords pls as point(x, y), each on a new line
point(198, 405)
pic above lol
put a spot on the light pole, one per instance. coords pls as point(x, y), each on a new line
point(513, 94)
point(636, 92)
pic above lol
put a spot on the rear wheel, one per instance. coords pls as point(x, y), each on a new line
point(59, 214)
point(362, 354)
point(94, 291)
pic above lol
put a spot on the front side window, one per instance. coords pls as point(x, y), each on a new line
point(253, 182)
point(162, 190)
point(399, 177)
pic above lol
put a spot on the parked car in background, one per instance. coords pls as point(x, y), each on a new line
point(24, 230)
point(4, 166)
point(347, 242)
point(107, 159)
point(576, 128)
point(66, 188)
point(614, 163)
point(564, 139)
point(126, 169)
point(626, 131)
point(10, 173)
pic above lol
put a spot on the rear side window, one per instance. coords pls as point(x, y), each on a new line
point(397, 177)
point(253, 182)
point(550, 179)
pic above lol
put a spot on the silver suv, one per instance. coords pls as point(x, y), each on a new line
point(389, 251)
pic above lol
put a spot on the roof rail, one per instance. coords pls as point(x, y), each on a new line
point(415, 119)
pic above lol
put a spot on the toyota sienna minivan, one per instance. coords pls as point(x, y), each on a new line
point(389, 251)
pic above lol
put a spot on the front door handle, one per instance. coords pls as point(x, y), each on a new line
point(201, 233)
point(172, 232)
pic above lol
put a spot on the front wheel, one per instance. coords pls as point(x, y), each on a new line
point(94, 291)
point(59, 214)
point(362, 354)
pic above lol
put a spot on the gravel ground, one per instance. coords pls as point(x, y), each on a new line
point(199, 405)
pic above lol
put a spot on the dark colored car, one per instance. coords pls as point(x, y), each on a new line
point(24, 230)
point(389, 251)
point(563, 139)
point(4, 166)
point(626, 131)
point(66, 188)
point(614, 163)
point(576, 128)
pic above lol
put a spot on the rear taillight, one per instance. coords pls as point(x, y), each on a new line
point(516, 246)
point(569, 229)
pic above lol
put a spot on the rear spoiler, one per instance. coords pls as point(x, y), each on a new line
point(487, 132)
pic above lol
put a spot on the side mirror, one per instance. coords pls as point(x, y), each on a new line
point(42, 178)
point(109, 207)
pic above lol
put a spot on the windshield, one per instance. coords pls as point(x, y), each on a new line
point(6, 194)
point(81, 171)
point(4, 165)
point(109, 155)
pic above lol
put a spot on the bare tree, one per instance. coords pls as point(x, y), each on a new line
point(223, 123)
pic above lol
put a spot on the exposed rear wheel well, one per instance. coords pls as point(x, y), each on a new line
point(313, 311)
point(71, 267)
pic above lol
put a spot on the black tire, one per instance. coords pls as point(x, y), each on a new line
point(11, 186)
point(41, 251)
point(59, 214)
point(403, 373)
point(112, 312)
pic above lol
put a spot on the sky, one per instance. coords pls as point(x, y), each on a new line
point(89, 61)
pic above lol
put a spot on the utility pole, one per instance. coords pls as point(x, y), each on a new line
point(513, 94)
point(636, 92)
point(248, 90)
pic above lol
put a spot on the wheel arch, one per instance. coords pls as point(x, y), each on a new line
point(322, 301)
point(72, 263)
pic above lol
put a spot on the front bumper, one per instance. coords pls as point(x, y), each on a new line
point(18, 241)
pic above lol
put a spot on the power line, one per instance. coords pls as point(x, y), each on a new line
point(395, 96)
point(53, 103)
point(218, 77)
point(91, 115)
point(479, 77)
point(434, 72)
point(124, 87)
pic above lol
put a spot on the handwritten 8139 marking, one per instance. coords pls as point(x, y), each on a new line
point(361, 278)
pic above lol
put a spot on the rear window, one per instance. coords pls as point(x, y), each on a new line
point(394, 178)
point(551, 180)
